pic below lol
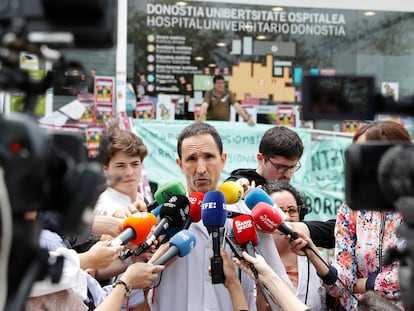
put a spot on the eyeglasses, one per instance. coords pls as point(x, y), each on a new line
point(280, 168)
point(291, 210)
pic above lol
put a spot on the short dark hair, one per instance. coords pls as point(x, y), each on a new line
point(281, 141)
point(217, 77)
point(121, 140)
point(280, 185)
point(384, 130)
point(198, 128)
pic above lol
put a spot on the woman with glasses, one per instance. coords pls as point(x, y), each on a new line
point(307, 284)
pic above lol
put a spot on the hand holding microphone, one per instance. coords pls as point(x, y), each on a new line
point(214, 215)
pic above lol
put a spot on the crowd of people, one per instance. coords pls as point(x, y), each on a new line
point(282, 273)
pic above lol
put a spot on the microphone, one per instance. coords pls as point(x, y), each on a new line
point(173, 213)
point(268, 219)
point(135, 229)
point(195, 199)
point(246, 236)
point(258, 195)
point(180, 244)
point(164, 193)
point(232, 191)
point(213, 214)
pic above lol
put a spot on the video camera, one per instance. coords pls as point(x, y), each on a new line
point(43, 171)
point(379, 175)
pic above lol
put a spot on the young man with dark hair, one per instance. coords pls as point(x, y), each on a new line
point(279, 153)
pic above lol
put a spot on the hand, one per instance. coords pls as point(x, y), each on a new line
point(258, 262)
point(107, 225)
point(297, 246)
point(141, 275)
point(99, 256)
point(230, 275)
point(251, 122)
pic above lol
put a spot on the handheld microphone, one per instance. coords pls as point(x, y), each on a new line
point(180, 244)
point(246, 236)
point(265, 216)
point(258, 195)
point(195, 199)
point(173, 214)
point(232, 191)
point(163, 194)
point(213, 214)
point(135, 229)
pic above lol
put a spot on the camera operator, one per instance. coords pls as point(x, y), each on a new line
point(362, 239)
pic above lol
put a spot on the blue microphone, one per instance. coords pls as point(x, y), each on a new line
point(181, 245)
point(214, 215)
point(255, 196)
point(258, 195)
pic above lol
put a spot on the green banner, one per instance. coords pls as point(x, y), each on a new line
point(321, 177)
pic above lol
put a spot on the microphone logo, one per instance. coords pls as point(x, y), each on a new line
point(185, 237)
point(209, 205)
point(242, 225)
point(268, 222)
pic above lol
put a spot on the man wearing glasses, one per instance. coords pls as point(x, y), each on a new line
point(279, 153)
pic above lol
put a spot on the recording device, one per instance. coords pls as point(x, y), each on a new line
point(43, 171)
point(258, 195)
point(163, 194)
point(195, 199)
point(232, 191)
point(348, 97)
point(173, 214)
point(213, 214)
point(380, 177)
point(246, 236)
point(181, 245)
point(135, 229)
point(51, 22)
point(269, 220)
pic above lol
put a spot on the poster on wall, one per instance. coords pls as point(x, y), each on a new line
point(165, 108)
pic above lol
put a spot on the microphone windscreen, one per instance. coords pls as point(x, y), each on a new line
point(213, 211)
point(142, 223)
point(266, 217)
point(185, 241)
point(232, 191)
point(168, 190)
point(255, 196)
point(175, 210)
point(195, 198)
point(244, 230)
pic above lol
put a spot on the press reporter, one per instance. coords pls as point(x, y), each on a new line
point(278, 288)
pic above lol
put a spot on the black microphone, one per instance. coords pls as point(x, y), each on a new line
point(173, 213)
point(214, 214)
